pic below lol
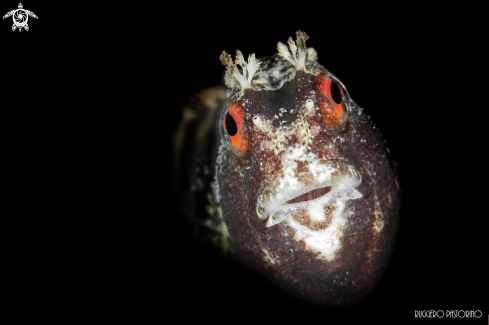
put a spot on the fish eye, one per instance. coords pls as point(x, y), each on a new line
point(230, 125)
point(233, 130)
point(336, 93)
point(334, 101)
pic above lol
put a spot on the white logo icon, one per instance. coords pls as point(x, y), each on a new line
point(20, 17)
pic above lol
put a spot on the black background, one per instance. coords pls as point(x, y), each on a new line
point(89, 109)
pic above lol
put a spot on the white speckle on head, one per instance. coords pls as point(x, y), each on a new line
point(379, 217)
point(315, 130)
point(379, 221)
point(269, 258)
point(316, 213)
point(309, 103)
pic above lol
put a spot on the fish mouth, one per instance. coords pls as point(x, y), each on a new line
point(311, 195)
point(320, 184)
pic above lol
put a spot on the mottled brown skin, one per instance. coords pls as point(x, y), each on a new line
point(363, 255)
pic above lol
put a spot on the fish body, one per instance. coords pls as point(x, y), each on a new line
point(288, 174)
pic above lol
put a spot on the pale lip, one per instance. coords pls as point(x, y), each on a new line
point(335, 173)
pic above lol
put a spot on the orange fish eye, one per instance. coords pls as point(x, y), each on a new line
point(333, 101)
point(234, 131)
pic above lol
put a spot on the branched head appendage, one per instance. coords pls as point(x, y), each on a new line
point(298, 52)
point(244, 74)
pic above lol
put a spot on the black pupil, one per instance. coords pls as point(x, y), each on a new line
point(231, 126)
point(336, 92)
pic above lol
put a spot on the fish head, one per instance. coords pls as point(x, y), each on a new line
point(307, 190)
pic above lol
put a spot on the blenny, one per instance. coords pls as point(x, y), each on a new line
point(289, 175)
